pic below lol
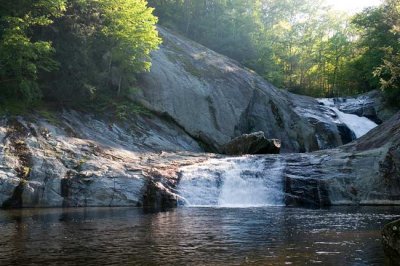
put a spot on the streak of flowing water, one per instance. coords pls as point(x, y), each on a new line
point(233, 182)
point(359, 125)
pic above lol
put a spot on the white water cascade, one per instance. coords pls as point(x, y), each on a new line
point(233, 182)
point(359, 125)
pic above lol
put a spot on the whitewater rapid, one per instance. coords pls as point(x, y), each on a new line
point(357, 124)
point(233, 182)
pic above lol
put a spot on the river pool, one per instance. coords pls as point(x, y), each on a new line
point(195, 236)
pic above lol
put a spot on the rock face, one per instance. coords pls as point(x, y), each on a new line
point(391, 238)
point(78, 160)
point(364, 172)
point(254, 143)
point(214, 100)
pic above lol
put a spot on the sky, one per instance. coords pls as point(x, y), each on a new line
point(352, 6)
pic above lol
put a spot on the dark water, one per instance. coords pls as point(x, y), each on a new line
point(194, 236)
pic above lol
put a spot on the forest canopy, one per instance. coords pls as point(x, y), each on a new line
point(304, 46)
point(69, 50)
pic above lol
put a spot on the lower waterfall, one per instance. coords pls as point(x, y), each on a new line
point(233, 182)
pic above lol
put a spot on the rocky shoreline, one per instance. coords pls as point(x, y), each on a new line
point(82, 161)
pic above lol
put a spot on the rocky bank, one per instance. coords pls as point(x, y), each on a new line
point(77, 160)
point(84, 161)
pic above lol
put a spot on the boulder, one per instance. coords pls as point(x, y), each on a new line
point(391, 238)
point(254, 143)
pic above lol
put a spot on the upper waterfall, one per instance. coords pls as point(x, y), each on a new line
point(357, 124)
point(233, 182)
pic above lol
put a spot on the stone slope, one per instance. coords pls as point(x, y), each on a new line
point(215, 100)
point(78, 160)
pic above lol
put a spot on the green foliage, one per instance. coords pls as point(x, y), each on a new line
point(22, 57)
point(379, 62)
point(117, 108)
point(375, 35)
point(131, 40)
point(47, 112)
point(102, 45)
point(304, 44)
point(73, 50)
point(225, 26)
point(88, 52)
point(14, 107)
point(295, 44)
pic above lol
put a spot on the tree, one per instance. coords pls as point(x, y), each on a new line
point(22, 56)
point(226, 26)
point(377, 63)
point(389, 70)
point(130, 34)
point(101, 46)
point(71, 50)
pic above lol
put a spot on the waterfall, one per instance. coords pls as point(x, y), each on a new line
point(249, 181)
point(359, 125)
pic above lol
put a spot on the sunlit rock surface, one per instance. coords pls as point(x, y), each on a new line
point(78, 160)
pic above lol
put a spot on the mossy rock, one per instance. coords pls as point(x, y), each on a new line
point(391, 238)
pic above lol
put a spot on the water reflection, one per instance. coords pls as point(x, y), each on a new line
point(272, 236)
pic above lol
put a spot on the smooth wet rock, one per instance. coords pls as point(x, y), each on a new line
point(346, 134)
point(254, 143)
point(306, 192)
point(364, 172)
